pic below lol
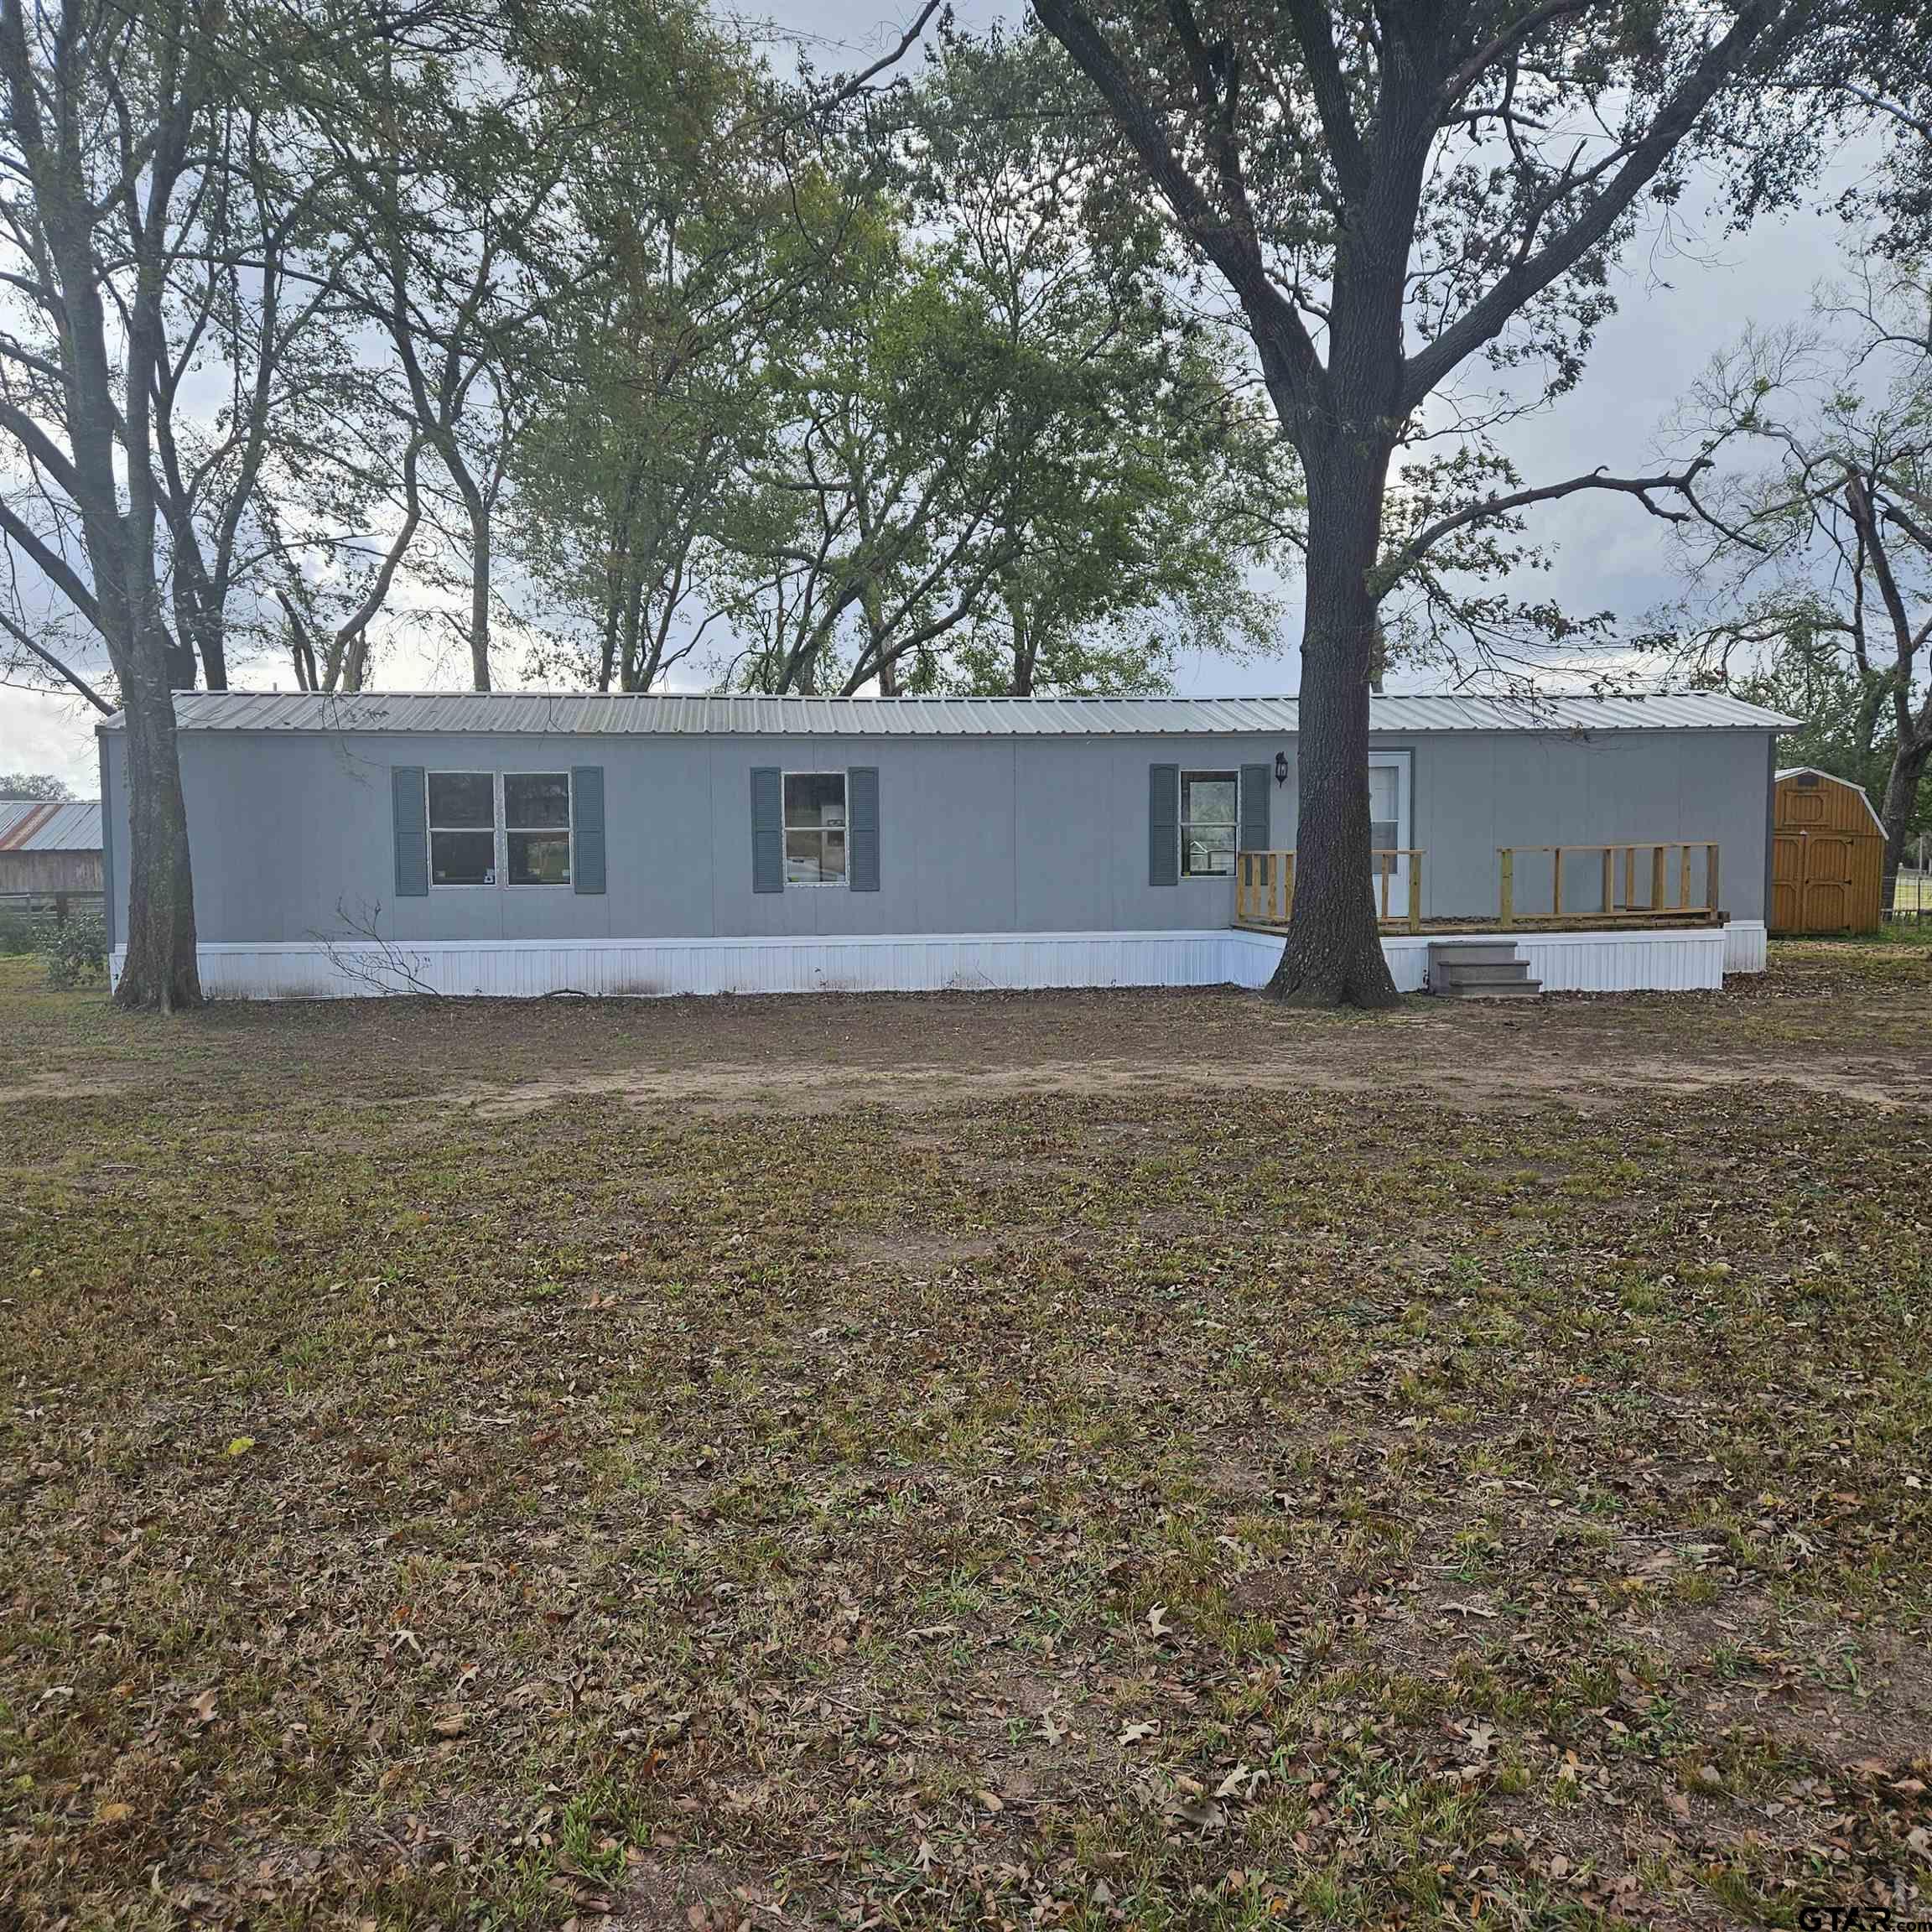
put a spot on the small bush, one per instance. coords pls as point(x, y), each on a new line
point(19, 931)
point(77, 951)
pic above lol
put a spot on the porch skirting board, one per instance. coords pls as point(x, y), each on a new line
point(1744, 944)
point(969, 962)
point(1614, 962)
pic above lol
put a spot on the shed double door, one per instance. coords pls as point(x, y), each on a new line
point(1811, 882)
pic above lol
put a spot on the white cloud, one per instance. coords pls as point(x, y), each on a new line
point(43, 733)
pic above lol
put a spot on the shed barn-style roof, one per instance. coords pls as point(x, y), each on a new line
point(592, 713)
point(1822, 777)
point(28, 827)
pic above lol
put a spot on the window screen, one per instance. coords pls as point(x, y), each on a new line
point(462, 828)
point(1209, 811)
point(814, 827)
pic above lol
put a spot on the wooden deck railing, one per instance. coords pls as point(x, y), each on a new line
point(1612, 909)
point(1265, 886)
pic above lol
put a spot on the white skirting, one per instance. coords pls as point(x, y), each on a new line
point(1564, 962)
point(1744, 944)
point(1613, 962)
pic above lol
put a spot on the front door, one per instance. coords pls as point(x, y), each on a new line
point(1388, 870)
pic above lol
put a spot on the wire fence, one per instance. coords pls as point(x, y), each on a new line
point(1912, 900)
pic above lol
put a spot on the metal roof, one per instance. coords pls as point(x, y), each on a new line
point(26, 826)
point(591, 715)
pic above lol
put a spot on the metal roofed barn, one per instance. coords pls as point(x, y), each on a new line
point(49, 854)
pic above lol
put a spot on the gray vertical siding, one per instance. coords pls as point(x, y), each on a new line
point(293, 833)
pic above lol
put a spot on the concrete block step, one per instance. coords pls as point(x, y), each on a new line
point(1501, 972)
point(1480, 969)
point(1472, 951)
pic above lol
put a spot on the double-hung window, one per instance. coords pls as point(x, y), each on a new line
point(1210, 822)
point(814, 827)
point(487, 827)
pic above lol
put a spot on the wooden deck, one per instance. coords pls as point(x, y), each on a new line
point(1676, 886)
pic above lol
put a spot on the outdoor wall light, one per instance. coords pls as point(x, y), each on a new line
point(1281, 768)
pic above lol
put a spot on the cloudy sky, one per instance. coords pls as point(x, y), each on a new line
point(1681, 298)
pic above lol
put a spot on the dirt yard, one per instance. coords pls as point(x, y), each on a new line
point(970, 1460)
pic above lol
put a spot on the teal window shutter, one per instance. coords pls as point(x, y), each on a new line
point(1164, 825)
point(587, 823)
point(1254, 781)
point(862, 829)
point(768, 830)
point(409, 792)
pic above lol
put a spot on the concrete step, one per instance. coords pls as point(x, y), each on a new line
point(1499, 973)
point(1480, 969)
point(1472, 952)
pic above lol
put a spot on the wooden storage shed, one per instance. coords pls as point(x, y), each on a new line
point(1827, 855)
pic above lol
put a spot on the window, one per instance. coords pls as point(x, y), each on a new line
point(1210, 812)
point(536, 821)
point(483, 829)
point(814, 827)
point(462, 828)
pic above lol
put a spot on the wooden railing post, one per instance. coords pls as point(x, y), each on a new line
point(1710, 877)
point(1508, 869)
point(1414, 891)
point(1556, 882)
point(1658, 868)
point(1609, 879)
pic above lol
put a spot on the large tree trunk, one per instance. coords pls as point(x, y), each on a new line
point(161, 972)
point(1901, 796)
point(479, 590)
point(1333, 953)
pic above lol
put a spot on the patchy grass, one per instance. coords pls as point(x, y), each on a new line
point(1061, 1460)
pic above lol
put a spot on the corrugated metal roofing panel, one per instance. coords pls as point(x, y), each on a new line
point(581, 712)
point(25, 827)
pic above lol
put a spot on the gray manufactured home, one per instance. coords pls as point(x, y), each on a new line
point(515, 843)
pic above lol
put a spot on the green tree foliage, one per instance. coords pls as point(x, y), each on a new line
point(1140, 481)
point(40, 787)
point(1001, 460)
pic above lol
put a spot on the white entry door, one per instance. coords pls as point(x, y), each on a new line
point(1388, 828)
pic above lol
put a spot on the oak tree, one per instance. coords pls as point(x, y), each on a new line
point(1394, 192)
